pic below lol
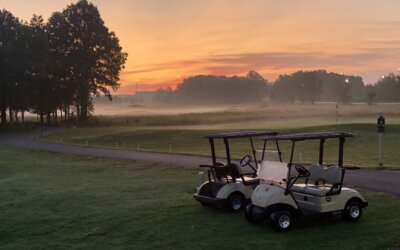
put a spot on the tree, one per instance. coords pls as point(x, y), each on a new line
point(371, 94)
point(9, 27)
point(388, 88)
point(345, 96)
point(310, 86)
point(43, 90)
point(88, 51)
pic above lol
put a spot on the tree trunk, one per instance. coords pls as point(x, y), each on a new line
point(84, 110)
point(10, 113)
point(3, 115)
point(41, 117)
point(23, 116)
point(48, 118)
point(16, 116)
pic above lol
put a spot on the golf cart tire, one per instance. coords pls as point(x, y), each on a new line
point(352, 211)
point(249, 214)
point(282, 221)
point(235, 202)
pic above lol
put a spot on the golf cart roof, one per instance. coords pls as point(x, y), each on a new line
point(307, 136)
point(241, 134)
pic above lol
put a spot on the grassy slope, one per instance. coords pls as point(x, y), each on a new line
point(360, 150)
point(58, 201)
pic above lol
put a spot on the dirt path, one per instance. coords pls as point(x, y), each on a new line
point(376, 180)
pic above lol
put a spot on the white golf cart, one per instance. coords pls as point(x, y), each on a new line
point(288, 191)
point(228, 184)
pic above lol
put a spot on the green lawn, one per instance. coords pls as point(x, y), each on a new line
point(360, 150)
point(56, 201)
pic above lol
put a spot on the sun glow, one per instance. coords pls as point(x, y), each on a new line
point(170, 40)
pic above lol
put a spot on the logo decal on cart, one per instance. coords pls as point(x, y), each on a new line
point(328, 199)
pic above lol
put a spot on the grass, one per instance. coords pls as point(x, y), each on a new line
point(59, 201)
point(360, 150)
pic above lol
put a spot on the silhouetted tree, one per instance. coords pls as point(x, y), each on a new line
point(88, 50)
point(388, 88)
point(370, 94)
point(210, 89)
point(9, 68)
point(345, 95)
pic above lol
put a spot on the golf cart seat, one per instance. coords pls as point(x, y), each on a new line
point(229, 171)
point(329, 176)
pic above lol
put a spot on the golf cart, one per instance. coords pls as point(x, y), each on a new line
point(292, 190)
point(228, 184)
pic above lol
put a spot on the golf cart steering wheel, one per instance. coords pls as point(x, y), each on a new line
point(245, 161)
point(303, 172)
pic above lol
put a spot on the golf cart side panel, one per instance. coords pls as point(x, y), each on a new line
point(232, 187)
point(320, 204)
point(210, 189)
point(324, 204)
point(345, 195)
point(265, 195)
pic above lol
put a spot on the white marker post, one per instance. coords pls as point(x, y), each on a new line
point(381, 130)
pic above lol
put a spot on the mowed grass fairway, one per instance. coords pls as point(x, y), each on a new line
point(359, 151)
point(59, 201)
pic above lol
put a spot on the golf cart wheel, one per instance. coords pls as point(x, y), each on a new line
point(235, 202)
point(282, 221)
point(352, 211)
point(249, 214)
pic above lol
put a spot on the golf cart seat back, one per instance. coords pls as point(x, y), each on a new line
point(228, 171)
point(272, 171)
point(330, 177)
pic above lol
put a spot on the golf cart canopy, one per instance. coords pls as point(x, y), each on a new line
point(235, 135)
point(321, 136)
point(308, 136)
point(240, 134)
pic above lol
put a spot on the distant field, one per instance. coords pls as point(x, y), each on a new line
point(360, 150)
point(57, 201)
point(240, 116)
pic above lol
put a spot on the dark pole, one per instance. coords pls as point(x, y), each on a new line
point(214, 160)
point(341, 143)
point(290, 167)
point(279, 151)
point(263, 153)
point(228, 153)
point(321, 151)
point(254, 151)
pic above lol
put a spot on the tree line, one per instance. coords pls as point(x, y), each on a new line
point(55, 68)
point(210, 89)
point(300, 86)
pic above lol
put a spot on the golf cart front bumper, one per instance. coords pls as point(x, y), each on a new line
point(208, 199)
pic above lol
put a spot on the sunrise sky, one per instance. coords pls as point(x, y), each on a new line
point(168, 40)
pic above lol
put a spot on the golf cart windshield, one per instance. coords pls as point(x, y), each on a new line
point(272, 171)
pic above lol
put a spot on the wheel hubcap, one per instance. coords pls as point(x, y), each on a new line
point(354, 211)
point(284, 221)
point(236, 204)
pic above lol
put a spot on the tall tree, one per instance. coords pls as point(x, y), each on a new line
point(42, 89)
point(9, 27)
point(88, 50)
